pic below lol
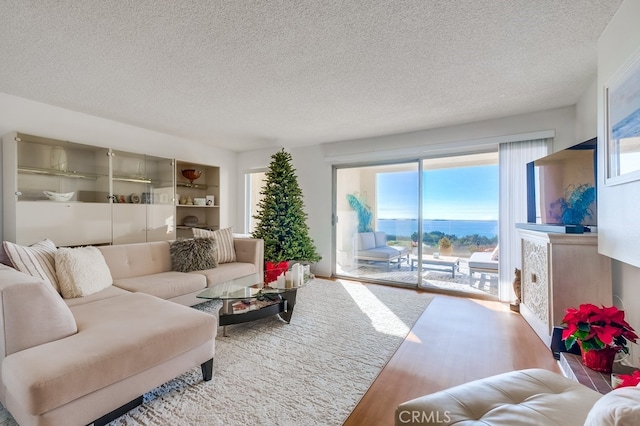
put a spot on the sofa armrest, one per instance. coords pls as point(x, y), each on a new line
point(32, 313)
point(250, 250)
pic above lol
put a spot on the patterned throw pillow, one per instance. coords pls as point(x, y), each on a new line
point(224, 241)
point(81, 271)
point(195, 254)
point(37, 260)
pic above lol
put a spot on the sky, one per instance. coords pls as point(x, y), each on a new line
point(462, 193)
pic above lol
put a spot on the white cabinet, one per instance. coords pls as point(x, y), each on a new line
point(143, 198)
point(116, 197)
point(561, 271)
point(66, 224)
point(190, 193)
point(33, 165)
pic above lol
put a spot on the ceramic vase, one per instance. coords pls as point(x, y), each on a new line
point(58, 158)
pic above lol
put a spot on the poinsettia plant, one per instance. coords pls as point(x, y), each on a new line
point(596, 327)
point(632, 379)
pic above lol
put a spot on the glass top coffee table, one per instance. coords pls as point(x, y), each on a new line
point(248, 299)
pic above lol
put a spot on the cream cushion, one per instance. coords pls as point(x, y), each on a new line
point(620, 407)
point(81, 271)
point(37, 260)
point(526, 397)
point(224, 239)
point(32, 313)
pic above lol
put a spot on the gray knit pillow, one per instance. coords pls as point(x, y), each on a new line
point(194, 254)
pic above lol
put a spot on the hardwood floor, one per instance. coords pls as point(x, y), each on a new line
point(456, 340)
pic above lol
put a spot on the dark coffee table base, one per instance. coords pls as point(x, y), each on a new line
point(282, 308)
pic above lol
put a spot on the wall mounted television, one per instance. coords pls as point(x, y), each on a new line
point(561, 189)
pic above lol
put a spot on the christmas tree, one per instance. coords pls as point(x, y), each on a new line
point(281, 217)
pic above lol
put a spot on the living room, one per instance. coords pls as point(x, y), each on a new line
point(24, 111)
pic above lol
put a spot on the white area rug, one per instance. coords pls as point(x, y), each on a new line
point(310, 372)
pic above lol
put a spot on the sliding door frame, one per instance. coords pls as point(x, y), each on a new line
point(420, 161)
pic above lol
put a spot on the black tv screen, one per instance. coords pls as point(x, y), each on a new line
point(561, 187)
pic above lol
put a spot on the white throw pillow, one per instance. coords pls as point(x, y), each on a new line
point(81, 271)
point(37, 260)
point(620, 407)
point(495, 254)
point(226, 251)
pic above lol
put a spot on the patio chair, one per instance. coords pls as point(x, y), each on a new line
point(372, 246)
point(486, 262)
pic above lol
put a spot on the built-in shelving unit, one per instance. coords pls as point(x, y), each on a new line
point(206, 190)
point(143, 197)
point(116, 196)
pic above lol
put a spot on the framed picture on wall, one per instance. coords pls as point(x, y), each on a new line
point(622, 114)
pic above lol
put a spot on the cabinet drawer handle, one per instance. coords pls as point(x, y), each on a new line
point(18, 193)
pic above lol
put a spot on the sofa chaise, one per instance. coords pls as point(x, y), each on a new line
point(372, 246)
point(526, 397)
point(87, 360)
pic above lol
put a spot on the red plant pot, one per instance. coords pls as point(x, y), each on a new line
point(599, 359)
point(273, 270)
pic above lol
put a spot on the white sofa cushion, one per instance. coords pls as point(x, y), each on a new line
point(134, 260)
point(81, 271)
point(482, 260)
point(620, 407)
point(366, 241)
point(381, 239)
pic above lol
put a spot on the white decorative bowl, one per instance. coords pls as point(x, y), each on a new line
point(56, 196)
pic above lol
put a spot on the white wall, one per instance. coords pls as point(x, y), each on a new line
point(314, 164)
point(586, 115)
point(618, 206)
point(314, 178)
point(560, 120)
point(35, 118)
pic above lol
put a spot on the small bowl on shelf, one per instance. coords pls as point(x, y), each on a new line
point(57, 196)
point(191, 174)
point(190, 221)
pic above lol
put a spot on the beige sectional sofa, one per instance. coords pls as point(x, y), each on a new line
point(90, 359)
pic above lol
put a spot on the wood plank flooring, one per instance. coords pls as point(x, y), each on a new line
point(456, 340)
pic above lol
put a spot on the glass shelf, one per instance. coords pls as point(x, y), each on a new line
point(60, 173)
point(192, 185)
point(133, 179)
point(199, 226)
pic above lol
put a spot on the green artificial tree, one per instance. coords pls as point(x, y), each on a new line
point(281, 217)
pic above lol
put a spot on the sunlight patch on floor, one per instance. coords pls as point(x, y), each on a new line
point(381, 317)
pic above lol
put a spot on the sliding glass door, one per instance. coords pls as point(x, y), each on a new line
point(460, 218)
point(377, 212)
point(393, 222)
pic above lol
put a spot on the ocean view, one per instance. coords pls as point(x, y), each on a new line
point(459, 228)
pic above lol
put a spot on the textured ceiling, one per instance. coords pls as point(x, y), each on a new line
point(253, 74)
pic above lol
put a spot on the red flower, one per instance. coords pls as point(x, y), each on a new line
point(596, 327)
point(629, 379)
